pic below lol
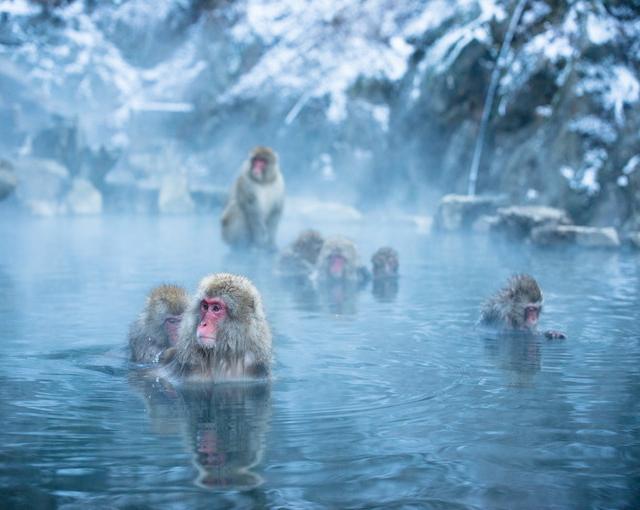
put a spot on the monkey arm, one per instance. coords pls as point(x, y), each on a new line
point(552, 334)
point(250, 206)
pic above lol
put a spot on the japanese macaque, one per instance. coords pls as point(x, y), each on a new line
point(255, 203)
point(224, 333)
point(385, 273)
point(300, 259)
point(516, 307)
point(338, 261)
point(156, 329)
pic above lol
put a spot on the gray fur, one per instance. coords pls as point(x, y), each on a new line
point(243, 342)
point(253, 211)
point(506, 308)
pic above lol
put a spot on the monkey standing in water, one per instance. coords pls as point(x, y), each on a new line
point(255, 204)
point(516, 307)
point(156, 329)
point(224, 333)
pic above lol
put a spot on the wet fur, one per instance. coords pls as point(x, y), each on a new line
point(506, 308)
point(354, 270)
point(147, 335)
point(243, 346)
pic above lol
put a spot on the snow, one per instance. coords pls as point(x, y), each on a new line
point(18, 7)
point(600, 30)
point(632, 165)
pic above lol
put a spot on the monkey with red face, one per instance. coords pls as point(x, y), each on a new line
point(255, 204)
point(339, 261)
point(156, 329)
point(516, 307)
point(224, 333)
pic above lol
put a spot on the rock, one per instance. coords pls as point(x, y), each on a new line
point(485, 224)
point(519, 221)
point(632, 240)
point(456, 212)
point(174, 196)
point(594, 237)
point(42, 183)
point(308, 209)
point(8, 180)
point(83, 198)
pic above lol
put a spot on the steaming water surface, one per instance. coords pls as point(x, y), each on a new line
point(378, 400)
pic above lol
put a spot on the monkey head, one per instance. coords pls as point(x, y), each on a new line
point(338, 260)
point(165, 306)
point(224, 312)
point(385, 263)
point(525, 302)
point(308, 245)
point(263, 163)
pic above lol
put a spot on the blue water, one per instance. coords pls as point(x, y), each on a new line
point(376, 401)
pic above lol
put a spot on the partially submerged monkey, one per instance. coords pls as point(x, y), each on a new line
point(516, 307)
point(385, 263)
point(156, 329)
point(255, 203)
point(300, 259)
point(385, 267)
point(339, 261)
point(224, 333)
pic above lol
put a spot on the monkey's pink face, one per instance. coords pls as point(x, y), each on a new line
point(337, 265)
point(258, 166)
point(212, 312)
point(171, 326)
point(531, 315)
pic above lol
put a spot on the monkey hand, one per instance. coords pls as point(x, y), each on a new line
point(167, 355)
point(554, 335)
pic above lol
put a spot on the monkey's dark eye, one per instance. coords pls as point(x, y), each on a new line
point(204, 306)
point(216, 307)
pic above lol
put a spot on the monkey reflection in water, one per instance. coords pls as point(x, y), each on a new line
point(225, 426)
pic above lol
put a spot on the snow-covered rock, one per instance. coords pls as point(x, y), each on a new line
point(83, 198)
point(456, 212)
point(591, 237)
point(518, 221)
point(41, 183)
point(174, 196)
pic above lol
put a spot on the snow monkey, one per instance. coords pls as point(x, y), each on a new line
point(385, 267)
point(385, 263)
point(224, 333)
point(255, 203)
point(339, 261)
point(516, 307)
point(156, 329)
point(300, 259)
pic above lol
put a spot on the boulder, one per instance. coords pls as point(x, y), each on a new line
point(593, 237)
point(632, 240)
point(174, 196)
point(83, 198)
point(8, 180)
point(456, 212)
point(42, 183)
point(519, 221)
